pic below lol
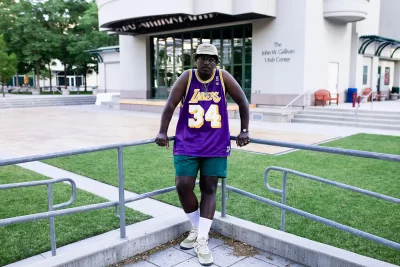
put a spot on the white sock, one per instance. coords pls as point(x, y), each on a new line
point(204, 227)
point(194, 218)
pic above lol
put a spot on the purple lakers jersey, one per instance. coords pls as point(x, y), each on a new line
point(203, 128)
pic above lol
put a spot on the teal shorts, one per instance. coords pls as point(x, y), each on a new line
point(190, 166)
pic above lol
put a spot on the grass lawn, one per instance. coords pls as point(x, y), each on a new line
point(150, 167)
point(21, 241)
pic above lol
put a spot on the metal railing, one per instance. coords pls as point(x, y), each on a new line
point(283, 192)
point(51, 207)
point(306, 93)
point(53, 212)
point(371, 94)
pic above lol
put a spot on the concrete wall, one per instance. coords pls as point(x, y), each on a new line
point(389, 19)
point(338, 50)
point(278, 78)
point(370, 26)
point(109, 72)
point(326, 42)
point(315, 52)
point(134, 66)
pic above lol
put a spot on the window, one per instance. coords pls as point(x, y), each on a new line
point(365, 75)
point(172, 54)
point(387, 75)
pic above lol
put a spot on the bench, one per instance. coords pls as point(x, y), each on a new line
point(324, 95)
point(366, 92)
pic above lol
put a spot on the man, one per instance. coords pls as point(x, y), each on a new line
point(202, 140)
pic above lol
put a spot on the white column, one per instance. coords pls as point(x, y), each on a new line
point(102, 77)
point(134, 66)
point(353, 57)
point(374, 73)
point(396, 82)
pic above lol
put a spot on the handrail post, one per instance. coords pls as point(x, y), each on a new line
point(223, 198)
point(51, 219)
point(121, 189)
point(283, 214)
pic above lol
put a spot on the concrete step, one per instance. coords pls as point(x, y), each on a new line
point(352, 110)
point(348, 124)
point(353, 119)
point(47, 101)
point(44, 105)
point(58, 101)
point(349, 115)
point(278, 107)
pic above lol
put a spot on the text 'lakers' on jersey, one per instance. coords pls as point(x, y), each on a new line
point(203, 126)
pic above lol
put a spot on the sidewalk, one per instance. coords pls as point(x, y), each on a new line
point(224, 255)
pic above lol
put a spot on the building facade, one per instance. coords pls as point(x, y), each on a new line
point(275, 49)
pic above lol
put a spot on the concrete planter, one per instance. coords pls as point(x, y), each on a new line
point(35, 92)
point(394, 96)
point(95, 91)
point(65, 91)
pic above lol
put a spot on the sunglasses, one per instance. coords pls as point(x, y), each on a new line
point(209, 59)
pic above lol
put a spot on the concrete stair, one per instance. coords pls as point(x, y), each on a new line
point(46, 101)
point(385, 120)
point(270, 114)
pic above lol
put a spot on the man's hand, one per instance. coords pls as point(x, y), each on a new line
point(162, 140)
point(243, 139)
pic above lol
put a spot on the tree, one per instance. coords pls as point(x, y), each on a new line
point(38, 32)
point(87, 36)
point(62, 19)
point(8, 64)
point(24, 31)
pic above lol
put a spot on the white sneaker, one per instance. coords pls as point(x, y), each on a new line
point(203, 252)
point(189, 241)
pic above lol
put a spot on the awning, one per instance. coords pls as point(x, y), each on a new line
point(383, 43)
point(163, 23)
point(96, 52)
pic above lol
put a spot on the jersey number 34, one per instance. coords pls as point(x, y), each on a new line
point(212, 116)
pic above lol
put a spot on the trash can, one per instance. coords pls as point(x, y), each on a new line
point(349, 97)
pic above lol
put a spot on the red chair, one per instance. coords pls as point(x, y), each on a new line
point(366, 92)
point(324, 95)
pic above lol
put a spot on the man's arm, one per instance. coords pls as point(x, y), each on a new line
point(177, 92)
point(237, 94)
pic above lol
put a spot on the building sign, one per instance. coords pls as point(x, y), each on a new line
point(164, 21)
point(279, 54)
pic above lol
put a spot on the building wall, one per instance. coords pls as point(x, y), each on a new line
point(278, 78)
point(134, 66)
point(109, 72)
point(291, 54)
point(338, 50)
point(370, 25)
point(315, 50)
point(389, 19)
